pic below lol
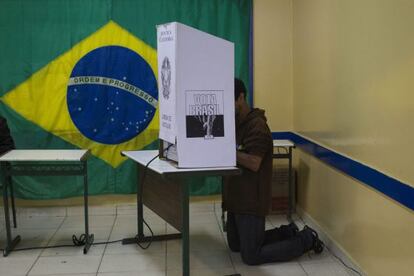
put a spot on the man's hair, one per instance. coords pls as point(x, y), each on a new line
point(239, 88)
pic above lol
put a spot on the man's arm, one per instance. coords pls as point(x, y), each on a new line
point(250, 161)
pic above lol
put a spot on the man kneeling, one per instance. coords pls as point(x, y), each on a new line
point(246, 197)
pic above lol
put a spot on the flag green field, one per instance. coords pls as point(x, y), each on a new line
point(47, 46)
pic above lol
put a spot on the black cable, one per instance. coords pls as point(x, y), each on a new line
point(82, 238)
point(347, 266)
point(343, 263)
point(107, 242)
point(80, 241)
point(144, 173)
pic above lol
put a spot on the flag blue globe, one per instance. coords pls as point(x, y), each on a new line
point(112, 94)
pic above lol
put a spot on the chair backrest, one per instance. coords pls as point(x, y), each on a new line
point(6, 140)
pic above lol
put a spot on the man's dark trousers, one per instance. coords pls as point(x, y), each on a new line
point(246, 234)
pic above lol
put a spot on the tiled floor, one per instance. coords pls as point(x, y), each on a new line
point(209, 254)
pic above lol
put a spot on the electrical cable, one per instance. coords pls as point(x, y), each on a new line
point(82, 238)
point(144, 173)
point(347, 266)
point(330, 251)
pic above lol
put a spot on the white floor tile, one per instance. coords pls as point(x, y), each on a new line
point(33, 235)
point(202, 207)
point(65, 265)
point(118, 248)
point(324, 269)
point(33, 253)
point(39, 222)
point(277, 269)
point(95, 250)
point(133, 273)
point(205, 229)
point(11, 266)
point(171, 229)
point(77, 274)
point(92, 210)
point(325, 256)
point(277, 220)
point(199, 243)
point(127, 229)
point(133, 262)
point(94, 221)
point(209, 254)
point(200, 260)
point(126, 210)
point(65, 234)
point(131, 220)
point(41, 211)
point(211, 271)
point(203, 218)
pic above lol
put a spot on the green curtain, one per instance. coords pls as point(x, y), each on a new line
point(39, 36)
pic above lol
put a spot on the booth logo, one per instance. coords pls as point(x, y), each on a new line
point(166, 78)
point(204, 114)
point(112, 94)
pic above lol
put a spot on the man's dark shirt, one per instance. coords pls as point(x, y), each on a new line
point(6, 141)
point(250, 192)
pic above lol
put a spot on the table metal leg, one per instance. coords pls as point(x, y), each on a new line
point(11, 243)
point(140, 206)
point(12, 201)
point(140, 210)
point(88, 238)
point(140, 217)
point(185, 230)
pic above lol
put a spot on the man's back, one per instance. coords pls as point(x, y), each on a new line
point(250, 192)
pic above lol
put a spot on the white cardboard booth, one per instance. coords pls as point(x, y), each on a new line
point(196, 97)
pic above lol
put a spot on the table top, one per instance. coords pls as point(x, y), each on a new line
point(168, 167)
point(283, 143)
point(44, 155)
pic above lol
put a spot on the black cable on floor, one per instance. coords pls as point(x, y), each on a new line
point(82, 238)
point(144, 173)
point(347, 266)
point(79, 242)
point(343, 263)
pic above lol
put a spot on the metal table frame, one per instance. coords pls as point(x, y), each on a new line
point(179, 175)
point(277, 144)
point(54, 167)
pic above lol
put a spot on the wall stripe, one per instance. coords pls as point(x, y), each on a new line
point(391, 187)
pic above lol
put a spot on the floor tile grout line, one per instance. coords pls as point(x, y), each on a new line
point(328, 249)
point(225, 241)
point(301, 266)
point(47, 244)
point(106, 245)
point(217, 219)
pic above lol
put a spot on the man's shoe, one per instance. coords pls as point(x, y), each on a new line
point(293, 228)
point(317, 244)
point(289, 230)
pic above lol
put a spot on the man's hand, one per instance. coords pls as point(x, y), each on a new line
point(250, 161)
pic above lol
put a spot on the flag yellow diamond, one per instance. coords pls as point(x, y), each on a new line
point(42, 98)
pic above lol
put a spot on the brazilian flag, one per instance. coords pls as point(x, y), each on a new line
point(83, 74)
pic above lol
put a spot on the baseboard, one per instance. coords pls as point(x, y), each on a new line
point(334, 247)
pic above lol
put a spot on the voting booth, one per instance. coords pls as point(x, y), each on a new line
point(196, 97)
